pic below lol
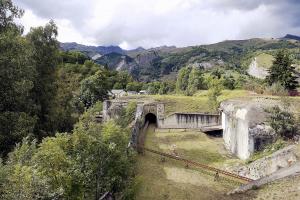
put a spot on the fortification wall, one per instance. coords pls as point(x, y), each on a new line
point(244, 128)
point(189, 120)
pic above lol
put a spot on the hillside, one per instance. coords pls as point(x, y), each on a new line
point(157, 63)
point(291, 37)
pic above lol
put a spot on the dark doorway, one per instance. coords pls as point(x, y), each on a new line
point(151, 118)
point(215, 133)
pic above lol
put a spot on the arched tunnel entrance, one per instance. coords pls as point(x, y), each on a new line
point(149, 126)
point(151, 119)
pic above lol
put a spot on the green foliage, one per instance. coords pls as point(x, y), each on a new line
point(229, 82)
point(258, 86)
point(282, 71)
point(17, 77)
point(276, 89)
point(182, 79)
point(8, 13)
point(73, 57)
point(127, 115)
point(282, 121)
point(190, 79)
point(44, 54)
point(268, 150)
point(215, 90)
point(82, 165)
point(195, 81)
point(68, 107)
point(134, 86)
point(154, 87)
point(123, 79)
point(94, 88)
point(167, 87)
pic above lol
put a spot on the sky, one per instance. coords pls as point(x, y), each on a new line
point(151, 23)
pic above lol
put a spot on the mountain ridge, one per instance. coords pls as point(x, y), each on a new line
point(160, 62)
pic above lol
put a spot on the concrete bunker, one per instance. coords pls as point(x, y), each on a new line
point(151, 119)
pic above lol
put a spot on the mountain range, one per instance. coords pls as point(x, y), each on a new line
point(165, 61)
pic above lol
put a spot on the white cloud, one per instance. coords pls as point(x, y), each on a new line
point(30, 20)
point(149, 23)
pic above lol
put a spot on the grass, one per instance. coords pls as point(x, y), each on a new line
point(264, 60)
point(196, 103)
point(171, 179)
point(199, 102)
point(271, 148)
point(288, 188)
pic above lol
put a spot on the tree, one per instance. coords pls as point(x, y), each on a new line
point(83, 165)
point(182, 79)
point(282, 121)
point(122, 80)
point(17, 118)
point(154, 87)
point(195, 81)
point(44, 56)
point(282, 71)
point(94, 88)
point(134, 86)
point(127, 114)
point(229, 82)
point(189, 80)
point(22, 181)
point(8, 13)
point(214, 91)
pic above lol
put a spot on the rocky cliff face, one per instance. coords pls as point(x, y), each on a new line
point(256, 71)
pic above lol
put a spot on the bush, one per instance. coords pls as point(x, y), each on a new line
point(127, 114)
point(282, 121)
point(254, 86)
point(276, 89)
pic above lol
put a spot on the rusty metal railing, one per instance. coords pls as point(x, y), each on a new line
point(229, 174)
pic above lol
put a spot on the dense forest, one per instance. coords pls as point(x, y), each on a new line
point(51, 146)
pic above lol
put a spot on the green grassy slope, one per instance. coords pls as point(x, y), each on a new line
point(171, 179)
point(264, 60)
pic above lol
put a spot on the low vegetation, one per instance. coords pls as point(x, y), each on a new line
point(169, 179)
point(268, 150)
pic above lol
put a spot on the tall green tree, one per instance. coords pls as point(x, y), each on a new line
point(195, 81)
point(94, 88)
point(134, 86)
point(182, 79)
point(16, 80)
point(189, 80)
point(282, 71)
point(215, 86)
point(44, 55)
point(8, 13)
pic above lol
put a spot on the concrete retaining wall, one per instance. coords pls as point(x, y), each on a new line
point(189, 120)
point(236, 134)
point(269, 164)
point(244, 130)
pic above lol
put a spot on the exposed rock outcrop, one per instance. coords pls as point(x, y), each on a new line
point(256, 71)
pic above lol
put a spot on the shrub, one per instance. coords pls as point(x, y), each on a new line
point(282, 121)
point(276, 89)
